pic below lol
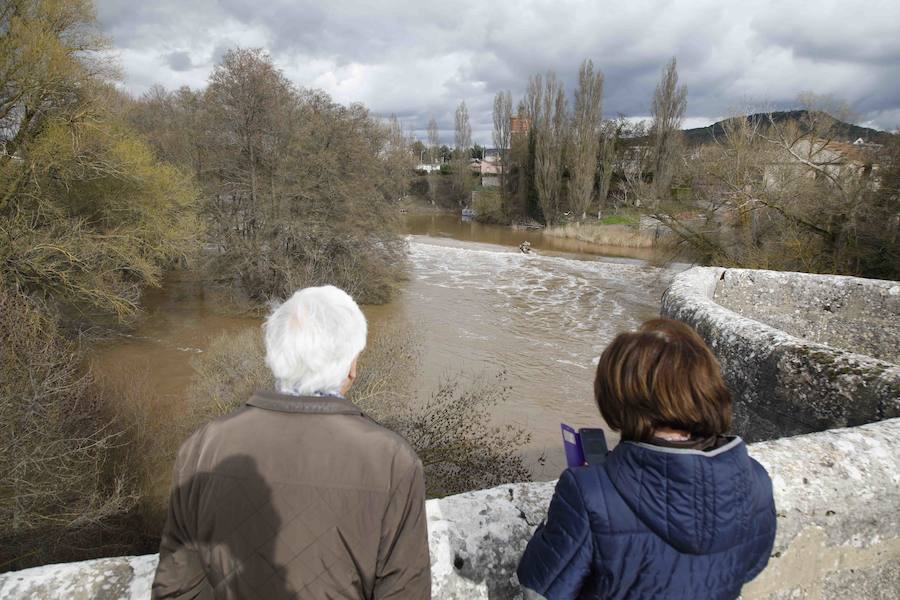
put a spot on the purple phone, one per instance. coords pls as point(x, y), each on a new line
point(572, 445)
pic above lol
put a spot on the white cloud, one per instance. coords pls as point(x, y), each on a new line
point(421, 59)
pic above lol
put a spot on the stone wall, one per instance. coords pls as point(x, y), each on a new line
point(836, 494)
point(782, 383)
point(850, 313)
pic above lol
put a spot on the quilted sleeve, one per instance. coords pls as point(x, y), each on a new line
point(404, 565)
point(180, 573)
point(557, 559)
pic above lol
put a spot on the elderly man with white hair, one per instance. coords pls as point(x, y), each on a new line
point(298, 494)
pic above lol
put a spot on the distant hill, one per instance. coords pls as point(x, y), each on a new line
point(845, 132)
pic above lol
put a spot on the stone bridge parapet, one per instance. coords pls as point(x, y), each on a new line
point(799, 352)
point(836, 494)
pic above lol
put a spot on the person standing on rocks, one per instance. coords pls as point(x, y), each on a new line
point(679, 509)
point(298, 494)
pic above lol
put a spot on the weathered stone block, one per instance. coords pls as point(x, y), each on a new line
point(783, 384)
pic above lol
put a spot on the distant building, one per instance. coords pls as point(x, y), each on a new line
point(490, 172)
point(519, 125)
point(490, 167)
point(826, 156)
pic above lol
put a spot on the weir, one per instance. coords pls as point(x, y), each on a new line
point(836, 491)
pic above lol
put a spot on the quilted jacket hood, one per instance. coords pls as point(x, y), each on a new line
point(698, 502)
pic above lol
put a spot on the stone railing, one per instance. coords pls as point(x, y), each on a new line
point(790, 345)
point(836, 493)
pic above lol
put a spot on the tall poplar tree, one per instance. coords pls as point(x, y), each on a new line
point(585, 138)
point(550, 131)
point(462, 144)
point(434, 141)
point(667, 111)
point(501, 134)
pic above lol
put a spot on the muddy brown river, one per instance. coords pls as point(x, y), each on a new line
point(477, 306)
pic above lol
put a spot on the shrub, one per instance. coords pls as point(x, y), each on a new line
point(451, 428)
point(62, 493)
point(604, 235)
point(451, 431)
point(226, 374)
point(488, 206)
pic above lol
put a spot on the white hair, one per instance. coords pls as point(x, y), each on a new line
point(312, 340)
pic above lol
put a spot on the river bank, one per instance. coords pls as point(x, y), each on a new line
point(606, 237)
point(603, 235)
point(574, 240)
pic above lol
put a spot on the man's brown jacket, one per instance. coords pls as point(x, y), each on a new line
point(295, 497)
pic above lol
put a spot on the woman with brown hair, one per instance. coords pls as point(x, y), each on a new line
point(679, 510)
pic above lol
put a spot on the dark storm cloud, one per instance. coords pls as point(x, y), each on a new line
point(420, 59)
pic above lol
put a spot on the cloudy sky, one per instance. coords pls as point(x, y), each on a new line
point(417, 59)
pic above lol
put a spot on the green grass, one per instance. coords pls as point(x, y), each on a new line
point(623, 219)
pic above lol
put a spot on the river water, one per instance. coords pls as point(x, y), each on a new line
point(477, 306)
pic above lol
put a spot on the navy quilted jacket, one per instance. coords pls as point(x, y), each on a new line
point(654, 522)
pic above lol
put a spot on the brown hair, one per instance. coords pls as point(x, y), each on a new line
point(662, 375)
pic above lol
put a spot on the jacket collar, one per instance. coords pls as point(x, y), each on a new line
point(328, 405)
point(732, 443)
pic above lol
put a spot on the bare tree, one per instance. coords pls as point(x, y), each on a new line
point(399, 159)
point(434, 141)
point(249, 100)
point(299, 189)
point(501, 134)
point(175, 123)
point(530, 110)
point(50, 55)
point(463, 142)
point(585, 138)
point(534, 98)
point(550, 133)
point(667, 111)
point(62, 497)
point(434, 153)
point(780, 193)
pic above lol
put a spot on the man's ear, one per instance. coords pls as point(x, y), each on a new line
point(348, 382)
